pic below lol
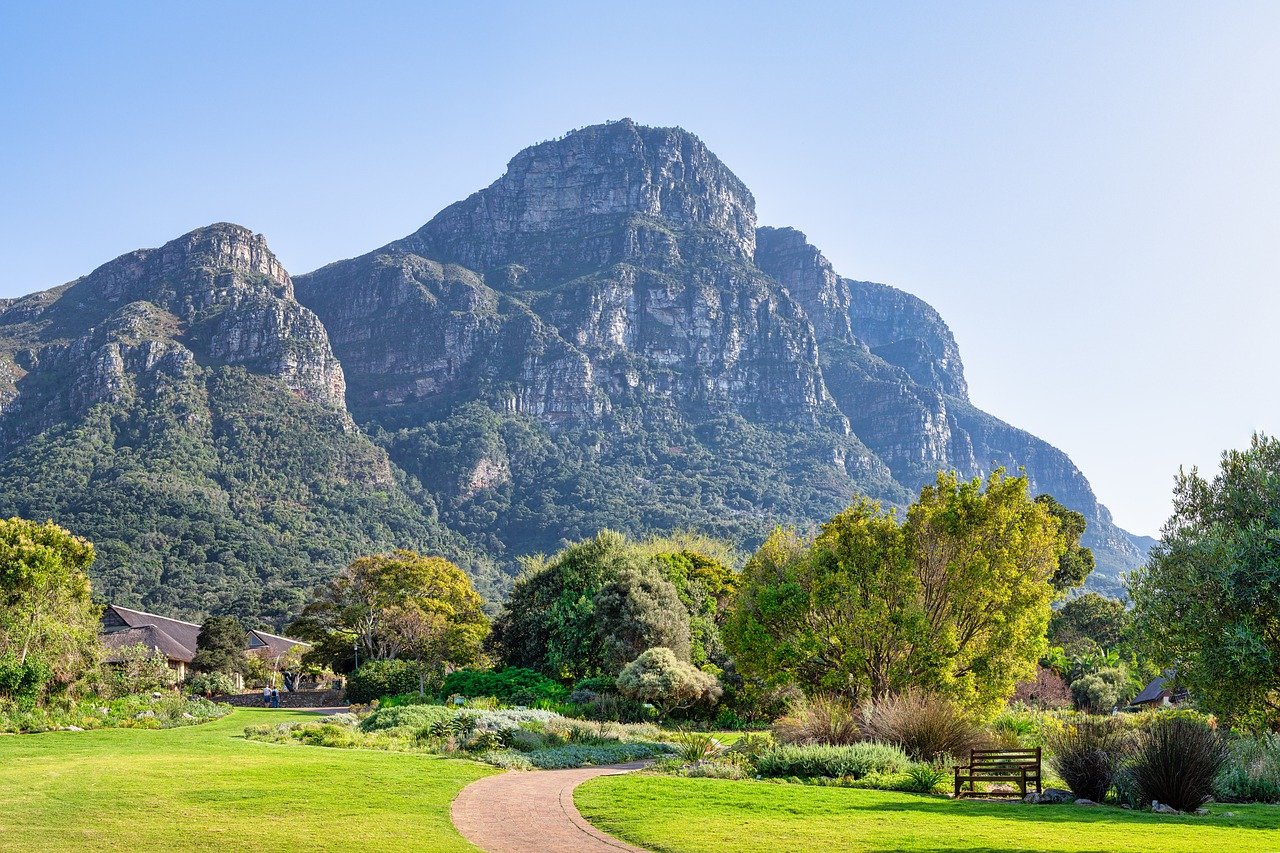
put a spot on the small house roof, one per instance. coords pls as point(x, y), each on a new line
point(1154, 689)
point(150, 636)
point(271, 643)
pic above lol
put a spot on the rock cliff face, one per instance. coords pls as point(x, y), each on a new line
point(612, 295)
point(183, 410)
point(603, 337)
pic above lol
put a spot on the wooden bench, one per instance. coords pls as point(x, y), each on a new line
point(1010, 766)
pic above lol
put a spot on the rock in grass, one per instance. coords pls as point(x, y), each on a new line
point(1158, 807)
point(1083, 801)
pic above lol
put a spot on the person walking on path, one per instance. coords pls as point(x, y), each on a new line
point(275, 698)
point(266, 696)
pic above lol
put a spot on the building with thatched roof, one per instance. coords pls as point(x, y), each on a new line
point(175, 639)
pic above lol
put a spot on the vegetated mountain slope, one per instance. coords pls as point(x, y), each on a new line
point(181, 409)
point(603, 337)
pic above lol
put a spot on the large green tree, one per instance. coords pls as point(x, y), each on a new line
point(953, 599)
point(1208, 600)
point(48, 622)
point(1089, 618)
point(398, 605)
point(638, 610)
point(220, 646)
point(599, 602)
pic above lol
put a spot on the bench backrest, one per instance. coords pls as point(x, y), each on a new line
point(1004, 759)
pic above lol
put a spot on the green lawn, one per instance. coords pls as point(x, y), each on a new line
point(672, 814)
point(206, 787)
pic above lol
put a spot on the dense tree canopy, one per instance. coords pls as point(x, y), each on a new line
point(397, 605)
point(1208, 601)
point(220, 646)
point(954, 599)
point(48, 623)
point(598, 603)
point(1090, 617)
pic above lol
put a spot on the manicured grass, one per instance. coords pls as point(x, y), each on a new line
point(673, 814)
point(205, 787)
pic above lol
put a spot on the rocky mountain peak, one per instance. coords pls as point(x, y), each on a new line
point(622, 180)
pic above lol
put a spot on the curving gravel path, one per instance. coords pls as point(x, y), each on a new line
point(522, 811)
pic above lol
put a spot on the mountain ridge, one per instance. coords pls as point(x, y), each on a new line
point(602, 337)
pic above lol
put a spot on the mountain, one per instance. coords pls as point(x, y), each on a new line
point(181, 409)
point(603, 337)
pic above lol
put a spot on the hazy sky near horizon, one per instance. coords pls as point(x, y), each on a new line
point(1088, 192)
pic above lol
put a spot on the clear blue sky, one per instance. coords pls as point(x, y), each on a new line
point(1088, 192)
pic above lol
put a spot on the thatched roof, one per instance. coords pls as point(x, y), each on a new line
point(147, 635)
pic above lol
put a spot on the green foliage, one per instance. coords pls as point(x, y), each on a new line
point(215, 490)
point(220, 646)
point(1094, 617)
point(598, 603)
point(1206, 601)
point(140, 669)
point(1101, 691)
point(925, 778)
point(1087, 754)
point(211, 684)
point(1252, 771)
point(397, 605)
point(511, 738)
point(927, 727)
point(411, 717)
point(379, 678)
point(1076, 562)
point(660, 678)
point(956, 599)
point(548, 622)
point(1024, 728)
point(856, 760)
point(23, 681)
point(591, 755)
point(125, 712)
point(639, 609)
point(1177, 762)
point(695, 746)
point(513, 684)
point(649, 468)
point(48, 623)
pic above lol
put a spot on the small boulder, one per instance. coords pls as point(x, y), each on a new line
point(1202, 811)
point(1227, 814)
point(1158, 807)
point(74, 729)
point(1083, 801)
point(1056, 796)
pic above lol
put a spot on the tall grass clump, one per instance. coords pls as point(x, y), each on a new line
point(927, 727)
point(1088, 754)
point(854, 761)
point(1177, 761)
point(826, 720)
point(1252, 771)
